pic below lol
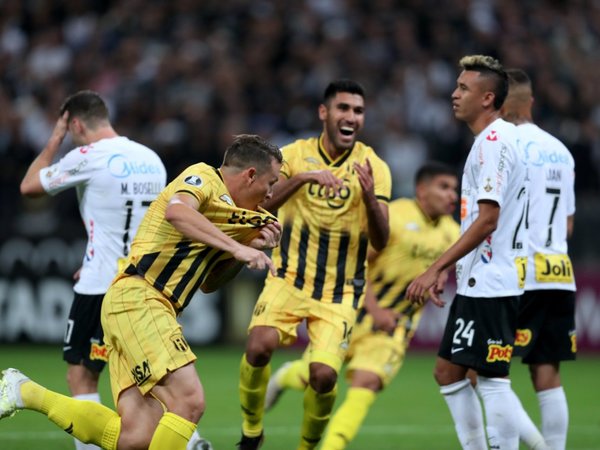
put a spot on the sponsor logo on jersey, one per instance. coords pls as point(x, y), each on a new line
point(227, 199)
point(412, 226)
point(333, 201)
point(553, 268)
point(499, 353)
point(254, 220)
point(84, 150)
point(523, 337)
point(141, 373)
point(193, 180)
point(492, 136)
point(119, 166)
point(98, 352)
point(75, 170)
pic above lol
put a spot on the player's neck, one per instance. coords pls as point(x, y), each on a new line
point(99, 134)
point(483, 120)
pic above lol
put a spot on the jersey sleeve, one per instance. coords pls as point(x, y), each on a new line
point(382, 178)
point(198, 183)
point(75, 168)
point(496, 161)
point(287, 167)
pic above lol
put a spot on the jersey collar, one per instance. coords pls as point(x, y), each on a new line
point(337, 162)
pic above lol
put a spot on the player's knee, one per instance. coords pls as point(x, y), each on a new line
point(260, 346)
point(322, 378)
point(135, 434)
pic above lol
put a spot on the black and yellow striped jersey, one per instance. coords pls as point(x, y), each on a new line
point(415, 243)
point(325, 238)
point(174, 264)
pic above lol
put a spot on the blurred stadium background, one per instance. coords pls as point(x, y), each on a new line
point(183, 76)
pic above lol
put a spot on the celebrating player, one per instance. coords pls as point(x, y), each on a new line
point(332, 198)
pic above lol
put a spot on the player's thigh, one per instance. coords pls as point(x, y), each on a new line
point(142, 335)
point(377, 352)
point(280, 306)
point(139, 418)
point(330, 327)
point(83, 341)
point(480, 334)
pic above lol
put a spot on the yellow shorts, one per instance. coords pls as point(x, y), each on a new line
point(143, 339)
point(329, 325)
point(377, 351)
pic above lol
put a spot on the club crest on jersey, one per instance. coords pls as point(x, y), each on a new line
point(486, 251)
point(227, 199)
point(193, 180)
point(492, 136)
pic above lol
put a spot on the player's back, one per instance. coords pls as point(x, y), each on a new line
point(551, 173)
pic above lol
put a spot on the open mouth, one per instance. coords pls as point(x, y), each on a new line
point(347, 131)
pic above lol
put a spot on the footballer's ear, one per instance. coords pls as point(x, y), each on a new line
point(250, 174)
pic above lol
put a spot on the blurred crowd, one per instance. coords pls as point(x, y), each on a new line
point(183, 76)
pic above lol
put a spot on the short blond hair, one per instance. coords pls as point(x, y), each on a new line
point(491, 68)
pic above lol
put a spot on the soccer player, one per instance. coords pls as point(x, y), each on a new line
point(332, 198)
point(420, 230)
point(546, 323)
point(202, 228)
point(116, 180)
point(490, 258)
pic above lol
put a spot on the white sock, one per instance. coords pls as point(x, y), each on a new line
point(192, 444)
point(555, 417)
point(466, 413)
point(528, 432)
point(502, 422)
point(94, 397)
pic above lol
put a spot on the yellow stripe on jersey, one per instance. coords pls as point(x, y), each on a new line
point(415, 243)
point(325, 238)
point(174, 264)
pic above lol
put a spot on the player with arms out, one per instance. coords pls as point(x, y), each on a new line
point(490, 257)
point(113, 197)
point(332, 199)
point(546, 325)
point(203, 227)
point(421, 229)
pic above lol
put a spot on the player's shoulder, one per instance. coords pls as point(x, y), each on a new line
point(542, 146)
point(301, 145)
point(447, 222)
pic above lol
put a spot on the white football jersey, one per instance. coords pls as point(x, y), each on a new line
point(495, 170)
point(551, 171)
point(116, 180)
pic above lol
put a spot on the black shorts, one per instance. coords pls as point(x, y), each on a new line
point(84, 339)
point(546, 327)
point(480, 333)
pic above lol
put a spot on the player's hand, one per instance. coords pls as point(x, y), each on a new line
point(253, 258)
point(425, 287)
point(61, 127)
point(385, 319)
point(77, 274)
point(365, 177)
point(268, 237)
point(327, 180)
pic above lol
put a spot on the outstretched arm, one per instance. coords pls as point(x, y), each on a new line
point(31, 186)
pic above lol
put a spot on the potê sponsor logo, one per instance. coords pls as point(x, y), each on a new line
point(499, 353)
point(98, 352)
point(523, 337)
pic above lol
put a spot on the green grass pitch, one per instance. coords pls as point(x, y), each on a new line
point(410, 414)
